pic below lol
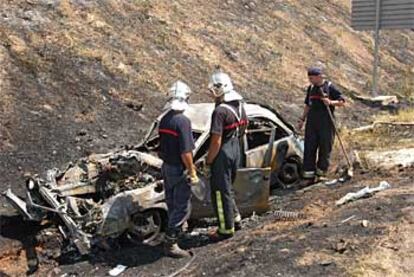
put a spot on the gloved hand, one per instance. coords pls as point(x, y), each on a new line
point(193, 178)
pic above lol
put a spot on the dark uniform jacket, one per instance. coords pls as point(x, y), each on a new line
point(229, 120)
point(176, 137)
point(315, 93)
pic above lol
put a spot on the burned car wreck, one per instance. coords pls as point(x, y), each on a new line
point(107, 195)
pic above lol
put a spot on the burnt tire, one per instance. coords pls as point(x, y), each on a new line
point(147, 226)
point(289, 174)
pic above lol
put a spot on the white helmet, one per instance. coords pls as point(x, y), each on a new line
point(220, 84)
point(179, 93)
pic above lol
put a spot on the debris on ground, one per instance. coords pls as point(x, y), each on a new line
point(332, 182)
point(329, 183)
point(134, 106)
point(379, 124)
point(381, 101)
point(341, 246)
point(116, 271)
point(348, 219)
point(287, 215)
point(365, 192)
point(365, 223)
point(326, 263)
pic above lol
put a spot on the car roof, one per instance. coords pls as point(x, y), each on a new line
point(200, 115)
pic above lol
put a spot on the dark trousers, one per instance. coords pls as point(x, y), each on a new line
point(223, 174)
point(319, 140)
point(177, 196)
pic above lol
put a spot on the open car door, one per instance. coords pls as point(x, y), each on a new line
point(251, 189)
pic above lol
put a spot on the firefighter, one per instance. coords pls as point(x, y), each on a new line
point(319, 130)
point(228, 124)
point(178, 170)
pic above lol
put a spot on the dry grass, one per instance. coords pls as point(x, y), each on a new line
point(377, 139)
point(406, 115)
point(150, 44)
point(273, 43)
point(383, 136)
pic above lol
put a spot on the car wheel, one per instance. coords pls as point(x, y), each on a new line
point(289, 173)
point(147, 226)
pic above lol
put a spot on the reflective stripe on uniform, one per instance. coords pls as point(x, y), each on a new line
point(235, 125)
point(308, 174)
point(168, 131)
point(239, 122)
point(220, 211)
point(226, 231)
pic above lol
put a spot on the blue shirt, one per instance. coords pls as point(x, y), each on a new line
point(315, 93)
point(176, 137)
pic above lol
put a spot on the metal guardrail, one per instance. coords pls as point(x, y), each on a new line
point(392, 14)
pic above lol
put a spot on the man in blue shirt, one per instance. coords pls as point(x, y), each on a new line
point(178, 170)
point(319, 130)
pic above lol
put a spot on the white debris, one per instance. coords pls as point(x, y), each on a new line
point(382, 100)
point(365, 192)
point(117, 270)
point(365, 223)
point(332, 182)
point(348, 219)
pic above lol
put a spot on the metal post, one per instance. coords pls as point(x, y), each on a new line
point(376, 50)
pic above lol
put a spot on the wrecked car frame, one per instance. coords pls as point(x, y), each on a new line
point(104, 196)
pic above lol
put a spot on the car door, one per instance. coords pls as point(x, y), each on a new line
point(251, 190)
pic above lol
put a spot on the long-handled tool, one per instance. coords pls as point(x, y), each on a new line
point(349, 171)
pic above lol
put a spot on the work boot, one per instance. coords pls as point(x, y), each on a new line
point(171, 247)
point(174, 251)
point(321, 176)
point(308, 182)
point(217, 237)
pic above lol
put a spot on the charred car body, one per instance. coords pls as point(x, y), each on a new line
point(120, 192)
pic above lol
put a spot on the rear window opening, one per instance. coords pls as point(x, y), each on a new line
point(259, 132)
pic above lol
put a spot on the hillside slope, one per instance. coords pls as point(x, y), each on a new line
point(80, 76)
